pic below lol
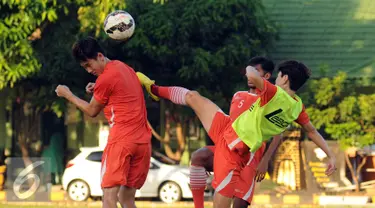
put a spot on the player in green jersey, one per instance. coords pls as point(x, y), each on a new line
point(276, 108)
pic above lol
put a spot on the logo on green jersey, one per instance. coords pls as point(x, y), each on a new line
point(278, 121)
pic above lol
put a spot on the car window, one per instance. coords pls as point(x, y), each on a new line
point(95, 156)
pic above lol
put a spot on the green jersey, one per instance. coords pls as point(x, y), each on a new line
point(270, 115)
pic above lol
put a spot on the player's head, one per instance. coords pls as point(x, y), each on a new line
point(263, 65)
point(90, 55)
point(292, 74)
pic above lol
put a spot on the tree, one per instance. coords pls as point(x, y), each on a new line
point(346, 115)
point(22, 24)
point(35, 57)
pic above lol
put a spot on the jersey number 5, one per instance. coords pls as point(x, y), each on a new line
point(241, 104)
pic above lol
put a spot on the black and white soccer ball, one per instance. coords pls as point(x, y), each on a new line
point(119, 25)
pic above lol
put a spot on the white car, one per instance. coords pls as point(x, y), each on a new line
point(169, 182)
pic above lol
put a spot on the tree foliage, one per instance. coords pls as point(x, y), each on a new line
point(343, 113)
point(176, 42)
point(22, 22)
point(337, 107)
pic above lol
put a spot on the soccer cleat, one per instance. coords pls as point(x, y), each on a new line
point(147, 83)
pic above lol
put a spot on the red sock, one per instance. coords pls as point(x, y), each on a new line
point(198, 180)
point(174, 94)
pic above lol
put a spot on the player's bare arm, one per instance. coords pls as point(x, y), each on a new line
point(263, 164)
point(253, 75)
point(92, 109)
point(315, 136)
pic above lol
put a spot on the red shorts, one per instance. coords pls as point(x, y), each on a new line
point(245, 187)
point(125, 164)
point(227, 162)
point(246, 183)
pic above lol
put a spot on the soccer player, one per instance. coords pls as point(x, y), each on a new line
point(236, 141)
point(126, 157)
point(202, 159)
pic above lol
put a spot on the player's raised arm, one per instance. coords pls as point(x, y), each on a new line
point(253, 75)
point(92, 109)
point(315, 136)
point(263, 164)
point(304, 121)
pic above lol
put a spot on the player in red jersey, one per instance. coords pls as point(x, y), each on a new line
point(117, 91)
point(254, 126)
point(202, 159)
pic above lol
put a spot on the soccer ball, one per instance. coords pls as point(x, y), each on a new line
point(119, 25)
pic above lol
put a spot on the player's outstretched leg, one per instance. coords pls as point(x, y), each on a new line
point(201, 162)
point(147, 83)
point(204, 108)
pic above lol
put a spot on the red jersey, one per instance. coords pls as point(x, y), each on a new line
point(241, 101)
point(119, 89)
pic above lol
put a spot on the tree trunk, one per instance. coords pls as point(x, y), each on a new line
point(166, 139)
point(3, 120)
point(359, 168)
point(25, 130)
point(354, 176)
point(25, 153)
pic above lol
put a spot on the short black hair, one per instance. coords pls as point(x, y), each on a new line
point(87, 48)
point(298, 73)
point(267, 64)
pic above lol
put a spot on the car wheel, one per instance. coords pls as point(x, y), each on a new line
point(78, 190)
point(170, 192)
